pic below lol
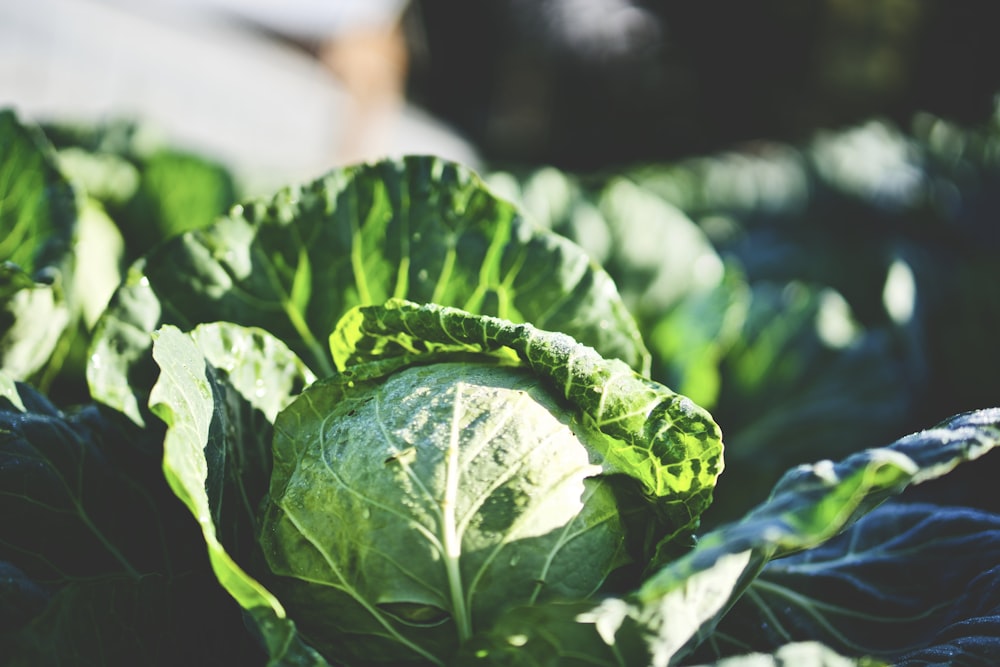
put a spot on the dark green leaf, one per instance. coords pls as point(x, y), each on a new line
point(121, 621)
point(21, 598)
point(62, 484)
point(884, 587)
point(972, 635)
point(98, 563)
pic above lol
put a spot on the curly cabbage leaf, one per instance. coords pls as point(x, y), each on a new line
point(659, 438)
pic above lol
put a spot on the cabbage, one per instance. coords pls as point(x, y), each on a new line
point(508, 493)
point(406, 515)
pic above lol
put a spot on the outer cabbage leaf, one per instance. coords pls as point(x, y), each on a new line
point(884, 588)
point(37, 227)
point(419, 228)
point(159, 619)
point(215, 456)
point(60, 472)
point(971, 636)
point(96, 564)
point(679, 607)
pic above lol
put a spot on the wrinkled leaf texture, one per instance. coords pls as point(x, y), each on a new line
point(661, 439)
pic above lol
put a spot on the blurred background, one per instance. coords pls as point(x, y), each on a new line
point(798, 199)
point(579, 84)
point(585, 83)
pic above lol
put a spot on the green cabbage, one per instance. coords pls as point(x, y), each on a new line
point(406, 515)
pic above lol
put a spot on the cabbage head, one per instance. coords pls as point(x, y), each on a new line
point(458, 466)
point(409, 513)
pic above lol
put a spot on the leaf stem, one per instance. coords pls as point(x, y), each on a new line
point(450, 537)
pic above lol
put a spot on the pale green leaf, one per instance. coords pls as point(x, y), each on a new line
point(188, 399)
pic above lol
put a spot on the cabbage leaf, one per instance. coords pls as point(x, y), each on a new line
point(96, 558)
point(38, 221)
point(417, 228)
